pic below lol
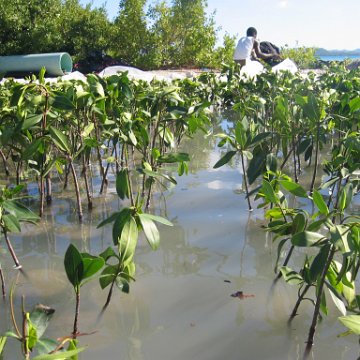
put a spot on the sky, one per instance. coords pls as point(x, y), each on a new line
point(330, 24)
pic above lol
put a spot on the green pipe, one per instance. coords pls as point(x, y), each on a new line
point(56, 64)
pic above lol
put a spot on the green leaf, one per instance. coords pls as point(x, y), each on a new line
point(151, 231)
point(21, 212)
point(291, 276)
point(132, 138)
point(59, 139)
point(63, 355)
point(225, 159)
point(123, 285)
point(294, 188)
point(320, 203)
point(240, 134)
point(32, 335)
point(61, 102)
point(40, 317)
point(337, 301)
point(108, 253)
point(319, 262)
point(346, 195)
point(157, 175)
point(311, 108)
point(122, 184)
point(44, 346)
point(275, 213)
point(156, 218)
point(269, 193)
point(173, 158)
point(91, 264)
point(128, 240)
point(74, 265)
point(352, 322)
point(18, 93)
point(306, 238)
point(354, 104)
point(88, 129)
point(108, 275)
point(109, 220)
point(299, 223)
point(256, 167)
point(247, 154)
point(31, 120)
point(323, 306)
point(260, 137)
point(271, 162)
point(11, 223)
point(121, 219)
point(2, 343)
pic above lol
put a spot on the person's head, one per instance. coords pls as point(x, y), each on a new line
point(251, 31)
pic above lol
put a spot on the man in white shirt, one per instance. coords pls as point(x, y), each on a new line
point(248, 48)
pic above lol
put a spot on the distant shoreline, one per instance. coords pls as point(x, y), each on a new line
point(337, 57)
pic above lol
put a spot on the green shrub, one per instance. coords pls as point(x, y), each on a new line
point(304, 57)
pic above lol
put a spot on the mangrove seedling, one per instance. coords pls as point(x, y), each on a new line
point(80, 267)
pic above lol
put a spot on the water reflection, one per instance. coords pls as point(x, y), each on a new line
point(180, 305)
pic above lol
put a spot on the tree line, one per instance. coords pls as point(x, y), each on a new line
point(148, 35)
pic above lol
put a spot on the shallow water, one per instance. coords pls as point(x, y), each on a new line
point(180, 306)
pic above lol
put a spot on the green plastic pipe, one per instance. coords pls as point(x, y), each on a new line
point(56, 64)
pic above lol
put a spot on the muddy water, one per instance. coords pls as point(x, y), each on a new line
point(180, 307)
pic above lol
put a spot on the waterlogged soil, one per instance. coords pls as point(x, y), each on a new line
point(207, 293)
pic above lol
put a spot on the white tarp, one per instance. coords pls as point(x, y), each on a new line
point(286, 65)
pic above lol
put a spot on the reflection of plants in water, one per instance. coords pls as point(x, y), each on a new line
point(333, 233)
point(298, 119)
point(12, 214)
point(136, 128)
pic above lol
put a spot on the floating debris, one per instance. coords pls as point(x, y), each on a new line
point(241, 295)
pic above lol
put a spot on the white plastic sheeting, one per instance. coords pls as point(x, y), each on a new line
point(286, 65)
point(250, 71)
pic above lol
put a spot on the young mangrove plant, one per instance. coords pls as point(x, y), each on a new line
point(330, 231)
point(125, 233)
point(80, 268)
point(30, 334)
point(242, 140)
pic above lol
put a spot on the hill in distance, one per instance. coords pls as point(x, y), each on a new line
point(325, 52)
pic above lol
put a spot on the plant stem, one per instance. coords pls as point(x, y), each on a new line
point(286, 260)
point(128, 176)
point(25, 334)
point(316, 158)
point(7, 172)
point(310, 340)
point(300, 298)
point(77, 191)
point(87, 187)
point(104, 181)
point(245, 180)
point(77, 310)
point(2, 282)
point(108, 299)
point(11, 249)
point(12, 312)
point(294, 159)
point(42, 196)
point(48, 189)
